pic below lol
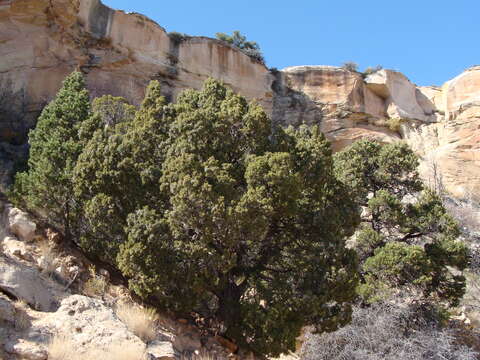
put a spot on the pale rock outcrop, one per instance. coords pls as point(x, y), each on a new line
point(462, 94)
point(19, 223)
point(452, 146)
point(334, 98)
point(26, 283)
point(161, 350)
point(41, 41)
point(89, 323)
point(13, 247)
point(434, 95)
point(26, 350)
point(402, 98)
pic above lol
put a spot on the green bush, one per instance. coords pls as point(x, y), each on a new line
point(207, 211)
point(46, 187)
point(408, 243)
point(250, 48)
point(178, 37)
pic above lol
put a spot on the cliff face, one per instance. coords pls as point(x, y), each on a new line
point(41, 41)
point(440, 124)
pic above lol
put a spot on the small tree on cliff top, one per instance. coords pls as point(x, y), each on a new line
point(54, 149)
point(250, 48)
point(408, 242)
point(244, 227)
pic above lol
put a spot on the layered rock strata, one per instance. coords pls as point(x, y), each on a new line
point(41, 41)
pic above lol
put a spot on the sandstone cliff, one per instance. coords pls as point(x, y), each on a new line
point(43, 40)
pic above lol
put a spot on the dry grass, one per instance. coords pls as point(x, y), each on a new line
point(122, 352)
point(140, 321)
point(22, 320)
point(62, 348)
point(204, 355)
point(49, 256)
point(96, 285)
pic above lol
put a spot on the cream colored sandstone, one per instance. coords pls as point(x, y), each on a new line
point(41, 41)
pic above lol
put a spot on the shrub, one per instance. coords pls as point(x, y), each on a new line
point(254, 54)
point(394, 124)
point(200, 205)
point(22, 319)
point(388, 332)
point(178, 37)
point(54, 148)
point(61, 348)
point(350, 66)
point(410, 246)
point(371, 70)
point(250, 48)
point(96, 285)
point(140, 321)
point(49, 257)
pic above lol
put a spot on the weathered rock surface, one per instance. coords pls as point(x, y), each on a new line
point(37, 306)
point(7, 311)
point(19, 223)
point(88, 323)
point(26, 350)
point(403, 100)
point(336, 99)
point(26, 283)
point(161, 350)
point(41, 41)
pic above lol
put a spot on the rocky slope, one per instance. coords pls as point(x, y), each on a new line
point(43, 40)
point(45, 294)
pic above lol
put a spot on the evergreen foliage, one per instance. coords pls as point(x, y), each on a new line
point(407, 243)
point(46, 186)
point(206, 210)
point(250, 48)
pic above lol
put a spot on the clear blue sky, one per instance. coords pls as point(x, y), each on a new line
point(430, 41)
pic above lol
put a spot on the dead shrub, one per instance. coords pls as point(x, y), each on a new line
point(49, 256)
point(22, 320)
point(96, 285)
point(387, 332)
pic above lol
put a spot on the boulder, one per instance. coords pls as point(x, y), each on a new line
point(19, 223)
point(13, 247)
point(26, 283)
point(160, 350)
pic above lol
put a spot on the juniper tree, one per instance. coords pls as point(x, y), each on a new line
point(211, 213)
point(46, 186)
point(407, 242)
point(119, 168)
